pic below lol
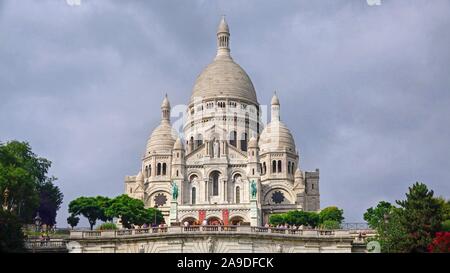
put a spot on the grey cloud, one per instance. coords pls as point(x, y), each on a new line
point(365, 90)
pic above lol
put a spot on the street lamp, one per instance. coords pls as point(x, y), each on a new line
point(38, 222)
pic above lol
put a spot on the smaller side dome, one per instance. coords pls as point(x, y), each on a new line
point(162, 139)
point(253, 143)
point(178, 144)
point(276, 137)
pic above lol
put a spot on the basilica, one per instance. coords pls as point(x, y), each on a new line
point(226, 166)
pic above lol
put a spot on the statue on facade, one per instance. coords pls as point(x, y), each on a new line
point(174, 191)
point(253, 189)
point(216, 149)
point(211, 245)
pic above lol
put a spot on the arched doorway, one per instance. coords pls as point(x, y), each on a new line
point(236, 220)
point(214, 221)
point(190, 220)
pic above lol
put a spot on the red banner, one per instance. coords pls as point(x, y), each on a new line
point(225, 215)
point(201, 215)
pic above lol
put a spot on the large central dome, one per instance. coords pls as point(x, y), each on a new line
point(223, 78)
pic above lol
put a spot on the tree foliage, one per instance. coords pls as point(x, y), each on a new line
point(421, 216)
point(51, 199)
point(412, 226)
point(88, 207)
point(376, 216)
point(73, 220)
point(298, 218)
point(131, 211)
point(21, 172)
point(11, 235)
point(331, 214)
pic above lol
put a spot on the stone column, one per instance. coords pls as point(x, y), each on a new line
point(173, 212)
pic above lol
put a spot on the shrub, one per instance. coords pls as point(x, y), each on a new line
point(330, 224)
point(440, 243)
point(277, 219)
point(446, 225)
point(107, 226)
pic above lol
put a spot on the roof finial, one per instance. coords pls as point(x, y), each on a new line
point(223, 39)
point(275, 100)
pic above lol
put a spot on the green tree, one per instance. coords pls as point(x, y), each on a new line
point(330, 224)
point(276, 219)
point(11, 234)
point(73, 220)
point(50, 201)
point(88, 207)
point(107, 226)
point(297, 217)
point(151, 214)
point(421, 216)
point(131, 211)
point(331, 214)
point(375, 217)
point(21, 172)
point(104, 203)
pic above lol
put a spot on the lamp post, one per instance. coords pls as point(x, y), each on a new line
point(38, 222)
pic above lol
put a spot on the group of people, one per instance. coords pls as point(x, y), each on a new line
point(204, 223)
point(287, 226)
point(161, 225)
point(45, 238)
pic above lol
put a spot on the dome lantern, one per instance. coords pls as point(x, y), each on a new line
point(223, 39)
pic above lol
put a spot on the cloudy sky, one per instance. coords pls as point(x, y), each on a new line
point(364, 89)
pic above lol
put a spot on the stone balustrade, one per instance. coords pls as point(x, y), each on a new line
point(155, 231)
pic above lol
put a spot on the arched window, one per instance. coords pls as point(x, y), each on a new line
point(274, 166)
point(199, 140)
point(244, 142)
point(192, 143)
point(159, 169)
point(264, 170)
point(238, 195)
point(164, 169)
point(131, 190)
point(149, 170)
point(194, 196)
point(233, 137)
point(177, 173)
point(279, 166)
point(292, 168)
point(253, 171)
point(215, 183)
point(289, 167)
point(146, 171)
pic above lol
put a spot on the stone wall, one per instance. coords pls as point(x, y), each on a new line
point(214, 239)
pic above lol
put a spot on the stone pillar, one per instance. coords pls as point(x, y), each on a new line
point(255, 219)
point(173, 217)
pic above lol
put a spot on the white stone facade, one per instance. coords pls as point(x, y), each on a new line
point(223, 148)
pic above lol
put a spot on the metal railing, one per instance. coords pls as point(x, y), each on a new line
point(354, 226)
